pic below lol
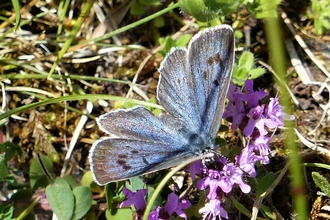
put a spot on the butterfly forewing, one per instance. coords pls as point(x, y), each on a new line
point(175, 89)
point(211, 74)
point(117, 159)
point(194, 82)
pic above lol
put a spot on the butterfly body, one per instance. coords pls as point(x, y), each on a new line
point(192, 89)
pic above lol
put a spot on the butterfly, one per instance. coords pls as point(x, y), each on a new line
point(192, 88)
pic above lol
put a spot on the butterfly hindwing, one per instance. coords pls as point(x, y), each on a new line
point(139, 143)
point(117, 159)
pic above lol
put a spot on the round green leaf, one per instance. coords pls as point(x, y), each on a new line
point(83, 201)
point(61, 200)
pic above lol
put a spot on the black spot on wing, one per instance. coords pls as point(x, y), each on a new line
point(210, 61)
point(123, 164)
point(216, 82)
point(217, 59)
point(214, 59)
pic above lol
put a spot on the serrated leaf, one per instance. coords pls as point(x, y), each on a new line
point(224, 7)
point(197, 9)
point(242, 73)
point(83, 201)
point(256, 73)
point(61, 200)
point(246, 60)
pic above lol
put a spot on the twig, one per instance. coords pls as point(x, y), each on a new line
point(82, 121)
point(303, 45)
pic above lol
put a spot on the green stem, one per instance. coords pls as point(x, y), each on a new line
point(75, 98)
point(85, 11)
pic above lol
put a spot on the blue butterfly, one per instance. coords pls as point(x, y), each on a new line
point(192, 89)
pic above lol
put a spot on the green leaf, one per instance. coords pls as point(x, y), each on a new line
point(265, 183)
point(37, 176)
point(150, 2)
point(135, 183)
point(110, 192)
point(61, 200)
point(267, 9)
point(268, 211)
point(223, 7)
point(263, 8)
point(159, 22)
point(120, 214)
point(158, 200)
point(83, 201)
point(87, 179)
point(241, 207)
point(256, 73)
point(168, 44)
point(183, 40)
point(244, 69)
point(62, 182)
point(197, 9)
point(136, 9)
point(29, 209)
point(17, 13)
point(71, 181)
point(246, 60)
point(220, 142)
point(10, 150)
point(6, 211)
point(316, 6)
point(3, 167)
point(321, 182)
point(318, 26)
